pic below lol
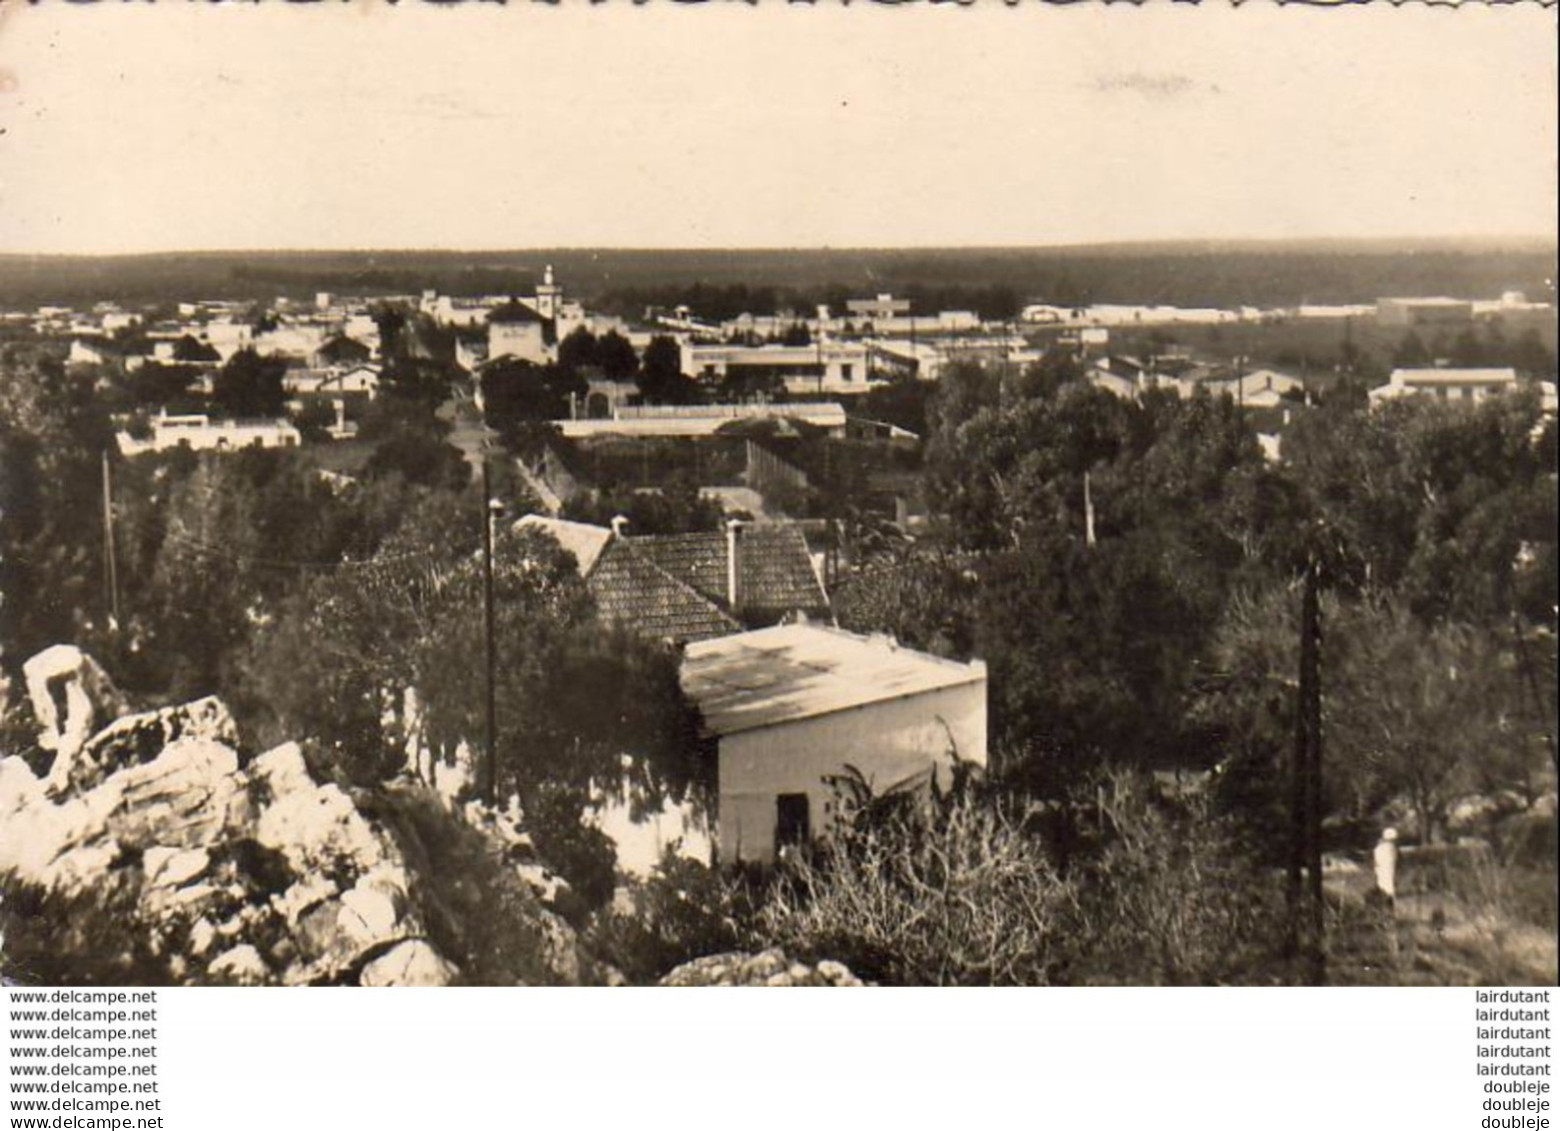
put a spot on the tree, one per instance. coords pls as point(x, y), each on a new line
point(676, 507)
point(53, 431)
point(616, 357)
point(1092, 655)
point(583, 712)
point(332, 665)
point(1414, 715)
point(796, 334)
point(419, 458)
point(516, 392)
point(1439, 502)
point(1411, 352)
point(161, 386)
point(249, 385)
point(391, 321)
point(661, 379)
point(579, 350)
point(418, 382)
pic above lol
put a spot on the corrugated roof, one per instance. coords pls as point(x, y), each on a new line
point(791, 672)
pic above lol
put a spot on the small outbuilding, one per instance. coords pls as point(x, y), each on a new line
point(788, 707)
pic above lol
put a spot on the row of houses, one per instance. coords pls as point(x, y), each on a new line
point(1268, 388)
point(1427, 311)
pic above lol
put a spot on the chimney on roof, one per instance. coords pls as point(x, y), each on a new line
point(733, 564)
point(619, 526)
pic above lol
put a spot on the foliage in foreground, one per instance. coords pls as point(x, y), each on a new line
point(962, 898)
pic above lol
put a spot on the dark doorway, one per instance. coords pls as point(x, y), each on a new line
point(793, 825)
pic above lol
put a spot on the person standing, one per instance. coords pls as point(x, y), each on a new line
point(1386, 859)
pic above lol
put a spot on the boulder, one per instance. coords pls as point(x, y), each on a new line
point(70, 695)
point(767, 968)
point(140, 738)
point(242, 966)
point(410, 963)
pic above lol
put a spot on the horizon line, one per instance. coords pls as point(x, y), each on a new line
point(1545, 238)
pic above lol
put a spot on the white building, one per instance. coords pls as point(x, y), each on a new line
point(1261, 388)
point(201, 433)
point(787, 707)
point(516, 330)
point(359, 381)
point(703, 420)
point(1423, 312)
point(824, 367)
point(1446, 384)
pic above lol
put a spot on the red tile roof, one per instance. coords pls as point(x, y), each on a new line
point(777, 576)
point(633, 591)
point(674, 586)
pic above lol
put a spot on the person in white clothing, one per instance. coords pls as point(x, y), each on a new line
point(1386, 857)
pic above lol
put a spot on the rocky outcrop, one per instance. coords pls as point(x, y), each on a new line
point(153, 848)
point(71, 696)
point(254, 875)
point(767, 968)
point(251, 874)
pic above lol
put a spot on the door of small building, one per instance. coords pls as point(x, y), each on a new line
point(793, 823)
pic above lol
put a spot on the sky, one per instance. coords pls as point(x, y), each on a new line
point(128, 127)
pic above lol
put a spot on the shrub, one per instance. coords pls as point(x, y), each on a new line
point(1175, 896)
point(478, 913)
point(683, 911)
point(952, 893)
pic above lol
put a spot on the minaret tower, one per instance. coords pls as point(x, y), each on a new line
point(549, 296)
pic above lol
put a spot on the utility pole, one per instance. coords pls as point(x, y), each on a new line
point(110, 562)
point(492, 657)
point(1306, 907)
point(1525, 662)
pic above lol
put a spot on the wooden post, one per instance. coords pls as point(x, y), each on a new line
point(110, 562)
point(1307, 924)
point(492, 660)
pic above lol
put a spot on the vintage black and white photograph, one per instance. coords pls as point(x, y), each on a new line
point(777, 495)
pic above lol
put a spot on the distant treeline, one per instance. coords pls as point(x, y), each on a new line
point(717, 284)
point(716, 302)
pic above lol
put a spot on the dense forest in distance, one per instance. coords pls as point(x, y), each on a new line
point(1180, 273)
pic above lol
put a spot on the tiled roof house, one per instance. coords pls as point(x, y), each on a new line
point(687, 587)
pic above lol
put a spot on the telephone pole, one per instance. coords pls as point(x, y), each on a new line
point(1306, 907)
point(492, 653)
point(110, 562)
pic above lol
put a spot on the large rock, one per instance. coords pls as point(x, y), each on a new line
point(140, 738)
point(767, 968)
point(256, 875)
point(411, 963)
point(71, 695)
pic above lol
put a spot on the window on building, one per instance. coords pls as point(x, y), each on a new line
point(847, 372)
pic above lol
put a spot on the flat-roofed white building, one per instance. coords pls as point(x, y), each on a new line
point(704, 420)
point(201, 433)
point(825, 367)
point(790, 706)
point(1446, 384)
point(1438, 311)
